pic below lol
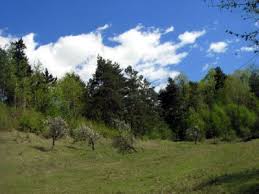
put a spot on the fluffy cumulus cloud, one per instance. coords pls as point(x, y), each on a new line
point(190, 37)
point(218, 47)
point(139, 47)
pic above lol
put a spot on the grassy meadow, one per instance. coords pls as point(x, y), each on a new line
point(28, 166)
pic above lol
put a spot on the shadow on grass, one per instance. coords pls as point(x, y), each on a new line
point(41, 148)
point(244, 181)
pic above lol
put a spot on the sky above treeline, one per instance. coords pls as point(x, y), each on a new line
point(160, 39)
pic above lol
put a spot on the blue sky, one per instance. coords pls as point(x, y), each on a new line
point(145, 33)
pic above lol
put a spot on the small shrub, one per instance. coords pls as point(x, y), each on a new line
point(57, 129)
point(124, 142)
point(86, 133)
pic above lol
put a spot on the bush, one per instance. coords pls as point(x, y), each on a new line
point(31, 121)
point(86, 133)
point(124, 142)
point(57, 129)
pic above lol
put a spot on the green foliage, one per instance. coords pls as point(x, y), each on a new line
point(242, 120)
point(236, 91)
point(219, 106)
point(196, 126)
point(195, 120)
point(41, 84)
point(68, 97)
point(220, 123)
point(31, 121)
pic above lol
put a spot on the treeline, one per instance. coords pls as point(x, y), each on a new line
point(218, 106)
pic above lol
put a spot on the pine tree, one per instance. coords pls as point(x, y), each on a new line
point(106, 92)
point(141, 104)
point(22, 73)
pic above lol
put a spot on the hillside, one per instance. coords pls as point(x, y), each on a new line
point(157, 167)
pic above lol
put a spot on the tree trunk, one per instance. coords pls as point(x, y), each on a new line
point(93, 147)
point(53, 143)
point(91, 142)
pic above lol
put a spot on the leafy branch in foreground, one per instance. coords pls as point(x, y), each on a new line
point(250, 11)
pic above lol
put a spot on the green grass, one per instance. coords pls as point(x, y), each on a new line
point(157, 167)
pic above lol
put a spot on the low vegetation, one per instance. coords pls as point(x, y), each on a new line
point(157, 167)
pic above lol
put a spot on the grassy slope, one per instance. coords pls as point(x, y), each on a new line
point(160, 167)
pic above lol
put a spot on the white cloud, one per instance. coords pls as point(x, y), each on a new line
point(247, 49)
point(168, 30)
point(104, 27)
point(139, 47)
point(190, 37)
point(218, 47)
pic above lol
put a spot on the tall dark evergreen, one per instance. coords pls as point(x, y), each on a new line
point(22, 73)
point(106, 92)
point(220, 78)
point(23, 69)
point(141, 109)
point(174, 107)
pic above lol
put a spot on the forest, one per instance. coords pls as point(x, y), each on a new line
point(220, 106)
